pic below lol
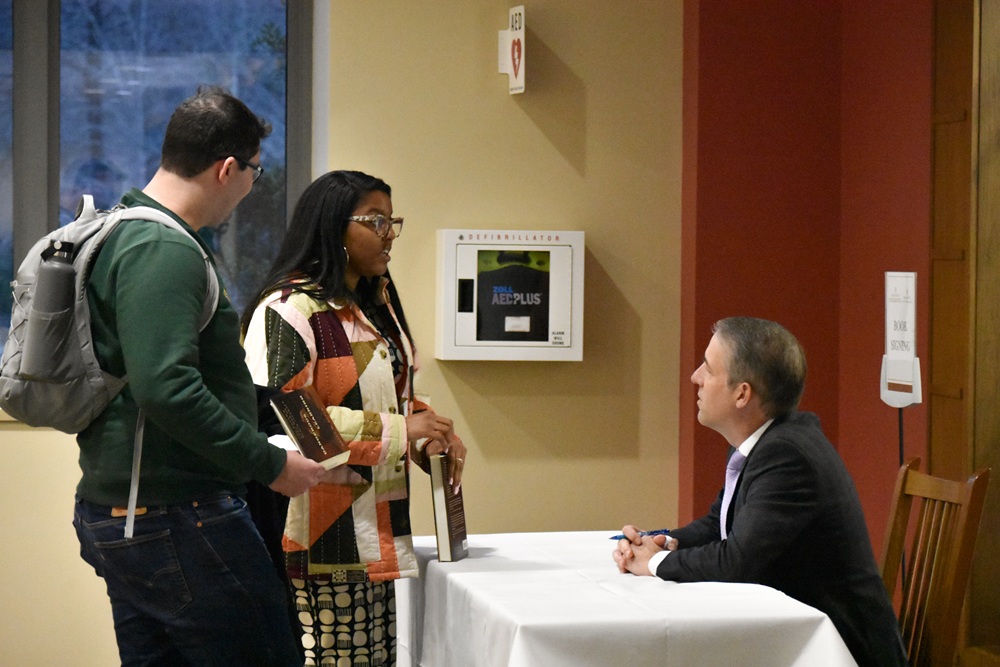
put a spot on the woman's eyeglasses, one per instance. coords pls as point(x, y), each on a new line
point(380, 224)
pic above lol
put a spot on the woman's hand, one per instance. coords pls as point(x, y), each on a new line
point(441, 439)
point(428, 424)
point(456, 453)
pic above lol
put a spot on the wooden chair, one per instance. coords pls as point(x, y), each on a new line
point(937, 564)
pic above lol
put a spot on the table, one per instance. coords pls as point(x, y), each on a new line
point(554, 599)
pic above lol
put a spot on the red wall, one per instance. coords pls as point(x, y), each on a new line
point(885, 226)
point(800, 173)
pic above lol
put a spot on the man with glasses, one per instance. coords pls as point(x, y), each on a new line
point(194, 584)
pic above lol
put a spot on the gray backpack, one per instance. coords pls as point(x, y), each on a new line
point(66, 389)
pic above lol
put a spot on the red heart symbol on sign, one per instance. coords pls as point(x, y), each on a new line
point(515, 55)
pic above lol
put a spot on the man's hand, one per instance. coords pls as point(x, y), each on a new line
point(633, 552)
point(298, 476)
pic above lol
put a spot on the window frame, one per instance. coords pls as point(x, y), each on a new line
point(35, 148)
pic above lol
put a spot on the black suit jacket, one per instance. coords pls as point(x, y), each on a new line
point(796, 524)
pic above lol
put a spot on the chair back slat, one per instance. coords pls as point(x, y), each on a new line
point(941, 518)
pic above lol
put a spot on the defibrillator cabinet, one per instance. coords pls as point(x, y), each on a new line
point(510, 295)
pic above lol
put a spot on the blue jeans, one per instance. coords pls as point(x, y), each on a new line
point(194, 585)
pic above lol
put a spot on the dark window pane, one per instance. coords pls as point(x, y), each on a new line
point(125, 66)
point(6, 162)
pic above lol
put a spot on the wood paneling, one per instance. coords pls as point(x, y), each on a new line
point(984, 605)
point(965, 282)
point(951, 221)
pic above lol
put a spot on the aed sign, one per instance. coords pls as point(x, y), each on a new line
point(510, 50)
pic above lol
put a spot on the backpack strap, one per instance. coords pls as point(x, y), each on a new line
point(154, 215)
point(133, 490)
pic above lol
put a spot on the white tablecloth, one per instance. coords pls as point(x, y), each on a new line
point(552, 599)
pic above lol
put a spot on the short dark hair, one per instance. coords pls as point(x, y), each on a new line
point(208, 126)
point(768, 357)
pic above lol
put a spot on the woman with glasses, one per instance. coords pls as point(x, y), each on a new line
point(329, 316)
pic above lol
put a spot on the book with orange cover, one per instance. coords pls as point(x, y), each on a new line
point(310, 427)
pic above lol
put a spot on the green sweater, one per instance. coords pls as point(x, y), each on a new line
point(146, 294)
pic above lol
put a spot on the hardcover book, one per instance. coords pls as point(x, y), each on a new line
point(310, 427)
point(449, 513)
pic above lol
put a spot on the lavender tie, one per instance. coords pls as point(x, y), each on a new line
point(733, 469)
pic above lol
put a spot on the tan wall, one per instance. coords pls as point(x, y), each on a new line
point(54, 608)
point(593, 145)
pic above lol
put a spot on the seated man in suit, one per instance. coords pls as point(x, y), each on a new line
point(791, 518)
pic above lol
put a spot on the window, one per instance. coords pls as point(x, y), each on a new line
point(121, 67)
point(6, 161)
point(124, 68)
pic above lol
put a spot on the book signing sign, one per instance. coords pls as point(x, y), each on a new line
point(900, 382)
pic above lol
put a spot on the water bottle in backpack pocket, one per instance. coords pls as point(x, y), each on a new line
point(50, 352)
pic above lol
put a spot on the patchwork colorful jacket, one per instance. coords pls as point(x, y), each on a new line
point(356, 528)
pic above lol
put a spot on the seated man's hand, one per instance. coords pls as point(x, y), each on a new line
point(633, 553)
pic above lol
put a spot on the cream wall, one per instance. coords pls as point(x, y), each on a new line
point(594, 145)
point(54, 608)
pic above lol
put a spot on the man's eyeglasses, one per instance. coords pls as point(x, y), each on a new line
point(380, 224)
point(258, 169)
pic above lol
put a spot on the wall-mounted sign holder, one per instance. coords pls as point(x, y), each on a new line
point(510, 50)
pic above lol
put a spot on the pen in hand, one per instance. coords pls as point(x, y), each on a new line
point(643, 533)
